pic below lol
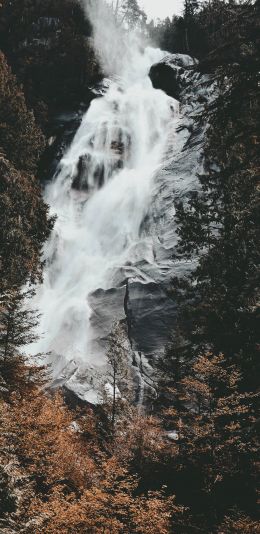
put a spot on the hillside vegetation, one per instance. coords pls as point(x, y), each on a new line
point(189, 466)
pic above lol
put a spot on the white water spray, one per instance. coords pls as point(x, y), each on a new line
point(101, 196)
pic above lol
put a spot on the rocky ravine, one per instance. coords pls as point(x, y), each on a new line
point(137, 294)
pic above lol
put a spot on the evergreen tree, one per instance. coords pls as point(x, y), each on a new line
point(48, 47)
point(171, 368)
point(218, 226)
point(16, 324)
point(21, 141)
point(210, 412)
point(190, 7)
point(17, 329)
point(24, 227)
point(128, 12)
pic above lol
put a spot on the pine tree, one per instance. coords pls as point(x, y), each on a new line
point(48, 48)
point(17, 322)
point(128, 12)
point(17, 330)
point(190, 7)
point(21, 140)
point(218, 227)
point(24, 227)
point(171, 368)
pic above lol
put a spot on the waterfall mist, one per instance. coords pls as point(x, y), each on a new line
point(116, 47)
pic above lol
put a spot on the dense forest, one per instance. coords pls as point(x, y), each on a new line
point(69, 467)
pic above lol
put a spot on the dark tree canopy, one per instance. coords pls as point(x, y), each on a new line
point(21, 140)
point(48, 47)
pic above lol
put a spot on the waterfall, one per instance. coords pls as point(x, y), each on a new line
point(101, 196)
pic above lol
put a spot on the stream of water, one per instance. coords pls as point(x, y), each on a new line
point(101, 196)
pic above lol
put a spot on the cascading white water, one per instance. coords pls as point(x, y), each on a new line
point(101, 196)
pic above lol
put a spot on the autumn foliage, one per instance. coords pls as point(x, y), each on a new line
point(189, 465)
point(70, 484)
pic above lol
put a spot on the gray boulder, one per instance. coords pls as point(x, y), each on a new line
point(168, 74)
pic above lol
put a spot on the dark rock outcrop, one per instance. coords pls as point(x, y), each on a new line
point(167, 75)
point(164, 77)
point(62, 129)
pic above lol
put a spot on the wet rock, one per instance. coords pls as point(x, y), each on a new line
point(77, 182)
point(118, 148)
point(151, 317)
point(62, 129)
point(164, 77)
point(107, 308)
point(147, 310)
point(167, 75)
